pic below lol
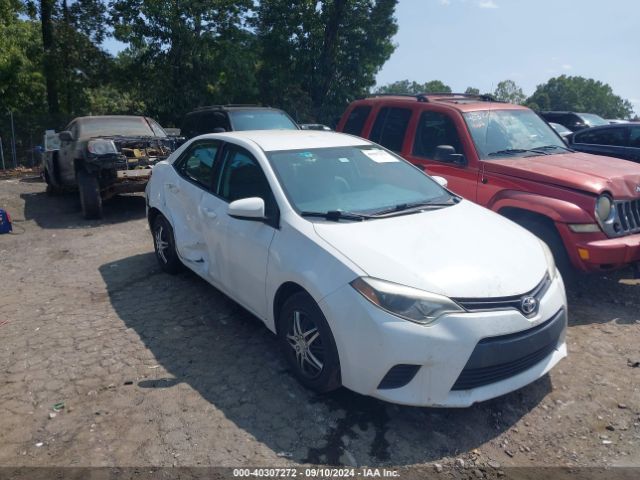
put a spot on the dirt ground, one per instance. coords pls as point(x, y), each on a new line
point(159, 370)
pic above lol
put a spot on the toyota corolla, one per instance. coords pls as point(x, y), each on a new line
point(373, 275)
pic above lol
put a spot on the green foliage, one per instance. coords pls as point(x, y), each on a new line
point(414, 88)
point(580, 94)
point(316, 56)
point(22, 85)
point(183, 54)
point(508, 91)
point(472, 91)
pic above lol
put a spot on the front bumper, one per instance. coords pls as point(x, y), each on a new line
point(371, 342)
point(610, 253)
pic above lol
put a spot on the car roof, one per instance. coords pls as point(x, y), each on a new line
point(273, 140)
point(457, 101)
point(109, 117)
point(223, 108)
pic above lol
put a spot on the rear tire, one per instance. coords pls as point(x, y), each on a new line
point(52, 189)
point(164, 245)
point(90, 198)
point(308, 344)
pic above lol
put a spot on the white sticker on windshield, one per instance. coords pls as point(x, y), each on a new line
point(379, 156)
point(344, 160)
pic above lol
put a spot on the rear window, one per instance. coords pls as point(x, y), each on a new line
point(357, 119)
point(261, 120)
point(390, 127)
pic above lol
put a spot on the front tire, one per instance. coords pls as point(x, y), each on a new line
point(308, 344)
point(552, 238)
point(90, 197)
point(165, 246)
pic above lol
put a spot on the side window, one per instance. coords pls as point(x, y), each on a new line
point(604, 136)
point(435, 129)
point(75, 131)
point(390, 127)
point(357, 119)
point(634, 138)
point(197, 164)
point(242, 177)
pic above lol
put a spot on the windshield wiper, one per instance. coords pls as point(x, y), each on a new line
point(553, 147)
point(336, 215)
point(408, 207)
point(514, 151)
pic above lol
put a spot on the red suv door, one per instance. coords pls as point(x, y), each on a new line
point(438, 128)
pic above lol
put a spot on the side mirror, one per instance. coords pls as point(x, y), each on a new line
point(247, 209)
point(65, 136)
point(447, 153)
point(443, 182)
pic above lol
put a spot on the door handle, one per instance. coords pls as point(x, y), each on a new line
point(172, 188)
point(207, 212)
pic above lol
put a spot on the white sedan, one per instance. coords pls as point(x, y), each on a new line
point(373, 275)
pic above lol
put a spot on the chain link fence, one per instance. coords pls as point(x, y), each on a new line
point(22, 137)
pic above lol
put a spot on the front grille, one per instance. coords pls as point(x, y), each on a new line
point(498, 358)
point(629, 216)
point(506, 303)
point(398, 376)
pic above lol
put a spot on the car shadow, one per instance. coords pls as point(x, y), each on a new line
point(201, 337)
point(63, 210)
point(611, 298)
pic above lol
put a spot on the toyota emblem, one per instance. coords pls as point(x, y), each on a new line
point(528, 305)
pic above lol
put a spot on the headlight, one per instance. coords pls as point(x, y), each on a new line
point(551, 263)
point(101, 147)
point(409, 303)
point(604, 207)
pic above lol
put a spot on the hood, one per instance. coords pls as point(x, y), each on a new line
point(577, 170)
point(459, 251)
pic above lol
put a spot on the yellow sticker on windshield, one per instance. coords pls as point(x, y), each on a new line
point(379, 156)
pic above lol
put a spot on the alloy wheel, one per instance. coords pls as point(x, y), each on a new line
point(162, 245)
point(304, 338)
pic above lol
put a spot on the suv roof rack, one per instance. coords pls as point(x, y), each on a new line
point(424, 97)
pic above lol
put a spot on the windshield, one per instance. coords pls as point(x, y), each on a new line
point(505, 133)
point(261, 120)
point(363, 179)
point(593, 120)
point(111, 127)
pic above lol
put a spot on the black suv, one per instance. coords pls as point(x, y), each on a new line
point(622, 141)
point(226, 118)
point(574, 121)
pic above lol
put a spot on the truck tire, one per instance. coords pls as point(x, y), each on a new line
point(52, 189)
point(90, 198)
point(551, 237)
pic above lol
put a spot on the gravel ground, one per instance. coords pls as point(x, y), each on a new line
point(157, 370)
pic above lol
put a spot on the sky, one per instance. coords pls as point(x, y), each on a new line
point(479, 43)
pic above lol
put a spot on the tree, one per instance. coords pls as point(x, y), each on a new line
point(508, 91)
point(200, 49)
point(21, 81)
point(319, 55)
point(580, 94)
point(414, 88)
point(472, 91)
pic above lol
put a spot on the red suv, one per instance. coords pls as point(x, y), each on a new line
point(506, 158)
